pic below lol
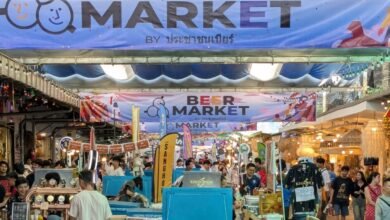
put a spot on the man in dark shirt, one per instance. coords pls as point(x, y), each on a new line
point(342, 188)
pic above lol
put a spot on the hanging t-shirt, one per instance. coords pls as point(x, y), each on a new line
point(304, 179)
point(343, 188)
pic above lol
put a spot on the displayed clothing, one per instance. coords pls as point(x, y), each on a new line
point(375, 192)
point(342, 189)
point(304, 179)
point(382, 208)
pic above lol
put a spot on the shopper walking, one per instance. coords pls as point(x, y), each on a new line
point(382, 207)
point(372, 192)
point(339, 194)
point(89, 204)
point(358, 198)
point(324, 194)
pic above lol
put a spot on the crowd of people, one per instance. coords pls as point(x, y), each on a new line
point(370, 199)
point(369, 193)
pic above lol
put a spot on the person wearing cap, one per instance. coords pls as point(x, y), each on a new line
point(115, 169)
point(128, 194)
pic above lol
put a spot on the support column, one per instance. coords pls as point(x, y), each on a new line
point(386, 76)
point(374, 142)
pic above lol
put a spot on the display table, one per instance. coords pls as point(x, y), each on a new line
point(120, 208)
point(55, 205)
point(197, 203)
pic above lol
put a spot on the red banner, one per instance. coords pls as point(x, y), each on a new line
point(116, 149)
point(109, 149)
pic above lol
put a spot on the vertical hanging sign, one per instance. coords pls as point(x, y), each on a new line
point(187, 150)
point(163, 120)
point(163, 165)
point(135, 123)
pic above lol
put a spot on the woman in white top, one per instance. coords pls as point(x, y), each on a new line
point(115, 169)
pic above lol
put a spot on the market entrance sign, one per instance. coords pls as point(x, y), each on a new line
point(200, 107)
point(193, 25)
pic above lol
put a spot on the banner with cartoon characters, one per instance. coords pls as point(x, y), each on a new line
point(193, 25)
point(205, 108)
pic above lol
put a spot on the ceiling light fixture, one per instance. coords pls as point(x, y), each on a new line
point(265, 71)
point(115, 71)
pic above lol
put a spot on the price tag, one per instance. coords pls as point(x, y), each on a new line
point(304, 194)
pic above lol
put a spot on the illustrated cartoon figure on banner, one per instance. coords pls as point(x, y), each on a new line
point(154, 109)
point(53, 16)
point(20, 14)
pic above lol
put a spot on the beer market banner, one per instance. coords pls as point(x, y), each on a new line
point(193, 25)
point(200, 107)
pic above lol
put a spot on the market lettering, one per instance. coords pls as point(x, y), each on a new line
point(198, 125)
point(210, 100)
point(205, 110)
point(185, 12)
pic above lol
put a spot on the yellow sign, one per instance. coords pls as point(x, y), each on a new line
point(163, 165)
point(135, 123)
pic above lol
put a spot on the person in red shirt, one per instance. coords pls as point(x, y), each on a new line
point(260, 171)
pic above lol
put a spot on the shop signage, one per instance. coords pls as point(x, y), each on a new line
point(187, 137)
point(163, 165)
point(192, 25)
point(202, 108)
point(199, 127)
point(64, 142)
point(110, 148)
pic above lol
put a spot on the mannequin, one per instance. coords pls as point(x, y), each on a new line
point(304, 179)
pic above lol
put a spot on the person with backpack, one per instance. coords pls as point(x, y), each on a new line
point(324, 194)
point(382, 206)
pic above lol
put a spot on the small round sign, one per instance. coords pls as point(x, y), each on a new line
point(64, 142)
point(244, 148)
